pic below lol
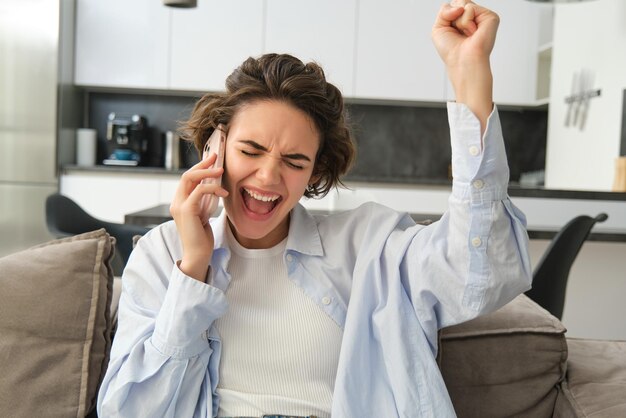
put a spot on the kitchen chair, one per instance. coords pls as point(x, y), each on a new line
point(64, 217)
point(551, 274)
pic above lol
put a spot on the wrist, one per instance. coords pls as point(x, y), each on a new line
point(471, 78)
point(196, 269)
point(473, 86)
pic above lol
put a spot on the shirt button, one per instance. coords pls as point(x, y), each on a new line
point(476, 242)
point(478, 184)
point(289, 258)
point(473, 150)
point(326, 300)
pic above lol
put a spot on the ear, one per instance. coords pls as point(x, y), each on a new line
point(314, 178)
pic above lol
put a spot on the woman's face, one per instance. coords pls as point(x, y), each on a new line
point(270, 154)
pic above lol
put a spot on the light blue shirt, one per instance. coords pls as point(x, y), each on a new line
point(388, 283)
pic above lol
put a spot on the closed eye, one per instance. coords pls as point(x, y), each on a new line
point(286, 161)
point(292, 165)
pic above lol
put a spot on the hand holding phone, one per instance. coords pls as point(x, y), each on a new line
point(216, 144)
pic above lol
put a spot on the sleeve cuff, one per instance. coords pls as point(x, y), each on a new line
point(479, 166)
point(187, 313)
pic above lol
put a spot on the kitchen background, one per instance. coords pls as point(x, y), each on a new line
point(396, 143)
point(67, 64)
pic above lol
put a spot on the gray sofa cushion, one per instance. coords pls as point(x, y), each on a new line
point(596, 380)
point(55, 326)
point(507, 363)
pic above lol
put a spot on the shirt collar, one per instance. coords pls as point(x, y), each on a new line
point(304, 237)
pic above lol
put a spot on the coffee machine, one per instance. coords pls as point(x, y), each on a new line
point(127, 140)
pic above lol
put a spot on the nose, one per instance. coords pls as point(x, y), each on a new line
point(268, 171)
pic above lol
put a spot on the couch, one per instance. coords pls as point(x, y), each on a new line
point(57, 304)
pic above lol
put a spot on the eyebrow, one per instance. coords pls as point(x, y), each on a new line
point(257, 146)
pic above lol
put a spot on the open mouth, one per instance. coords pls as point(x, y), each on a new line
point(258, 203)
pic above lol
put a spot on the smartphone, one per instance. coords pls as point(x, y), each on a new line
point(216, 144)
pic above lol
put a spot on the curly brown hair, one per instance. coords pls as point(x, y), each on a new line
point(285, 78)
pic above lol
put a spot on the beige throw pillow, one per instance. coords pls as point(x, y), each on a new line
point(54, 326)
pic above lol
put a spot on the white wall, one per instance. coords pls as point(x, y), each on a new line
point(594, 302)
point(587, 35)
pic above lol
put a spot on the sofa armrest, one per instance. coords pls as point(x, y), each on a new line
point(507, 363)
point(596, 380)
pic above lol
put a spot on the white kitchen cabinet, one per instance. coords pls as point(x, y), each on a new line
point(211, 40)
point(544, 52)
point(122, 43)
point(368, 48)
point(109, 196)
point(395, 57)
point(515, 62)
point(321, 31)
point(588, 55)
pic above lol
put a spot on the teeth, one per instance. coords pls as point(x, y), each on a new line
point(261, 197)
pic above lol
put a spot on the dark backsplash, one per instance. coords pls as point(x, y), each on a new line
point(408, 144)
point(396, 144)
point(162, 112)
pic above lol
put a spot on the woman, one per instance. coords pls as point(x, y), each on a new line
point(269, 310)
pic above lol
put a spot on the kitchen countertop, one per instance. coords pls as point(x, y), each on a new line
point(546, 210)
point(161, 213)
point(515, 189)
